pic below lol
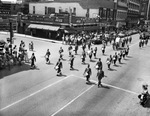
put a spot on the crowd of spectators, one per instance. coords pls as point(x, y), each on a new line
point(11, 55)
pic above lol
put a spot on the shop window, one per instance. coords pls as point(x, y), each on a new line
point(51, 10)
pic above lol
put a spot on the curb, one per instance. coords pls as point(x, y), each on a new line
point(28, 36)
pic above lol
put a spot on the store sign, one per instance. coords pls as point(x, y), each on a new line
point(59, 20)
point(24, 17)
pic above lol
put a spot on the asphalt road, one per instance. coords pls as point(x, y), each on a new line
point(39, 92)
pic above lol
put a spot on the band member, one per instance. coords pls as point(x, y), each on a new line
point(83, 56)
point(71, 60)
point(69, 49)
point(60, 53)
point(100, 75)
point(33, 60)
point(87, 73)
point(108, 63)
point(58, 67)
point(111, 59)
point(119, 58)
point(103, 50)
point(47, 56)
point(114, 59)
point(99, 64)
point(95, 52)
point(90, 53)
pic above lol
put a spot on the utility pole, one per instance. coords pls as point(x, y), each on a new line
point(148, 10)
point(11, 35)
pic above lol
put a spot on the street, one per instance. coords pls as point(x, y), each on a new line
point(39, 92)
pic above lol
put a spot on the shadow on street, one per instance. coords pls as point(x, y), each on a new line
point(14, 69)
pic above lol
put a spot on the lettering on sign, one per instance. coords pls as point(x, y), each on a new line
point(25, 18)
point(78, 21)
point(58, 20)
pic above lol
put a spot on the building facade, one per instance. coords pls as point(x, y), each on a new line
point(133, 14)
point(78, 15)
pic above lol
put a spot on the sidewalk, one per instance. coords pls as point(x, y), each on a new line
point(28, 36)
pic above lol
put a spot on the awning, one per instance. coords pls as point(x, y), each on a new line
point(44, 27)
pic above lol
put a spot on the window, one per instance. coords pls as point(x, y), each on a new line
point(74, 10)
point(45, 10)
point(51, 10)
point(33, 9)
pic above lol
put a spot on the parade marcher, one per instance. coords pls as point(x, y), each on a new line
point(99, 64)
point(90, 53)
point(95, 52)
point(87, 73)
point(100, 75)
point(69, 49)
point(103, 50)
point(108, 63)
point(71, 60)
point(114, 59)
point(33, 60)
point(47, 56)
point(60, 53)
point(111, 59)
point(58, 67)
point(83, 56)
point(119, 58)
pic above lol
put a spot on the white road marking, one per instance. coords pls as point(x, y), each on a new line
point(125, 90)
point(12, 104)
point(72, 101)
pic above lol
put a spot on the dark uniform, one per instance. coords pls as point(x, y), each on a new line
point(87, 73)
point(100, 75)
